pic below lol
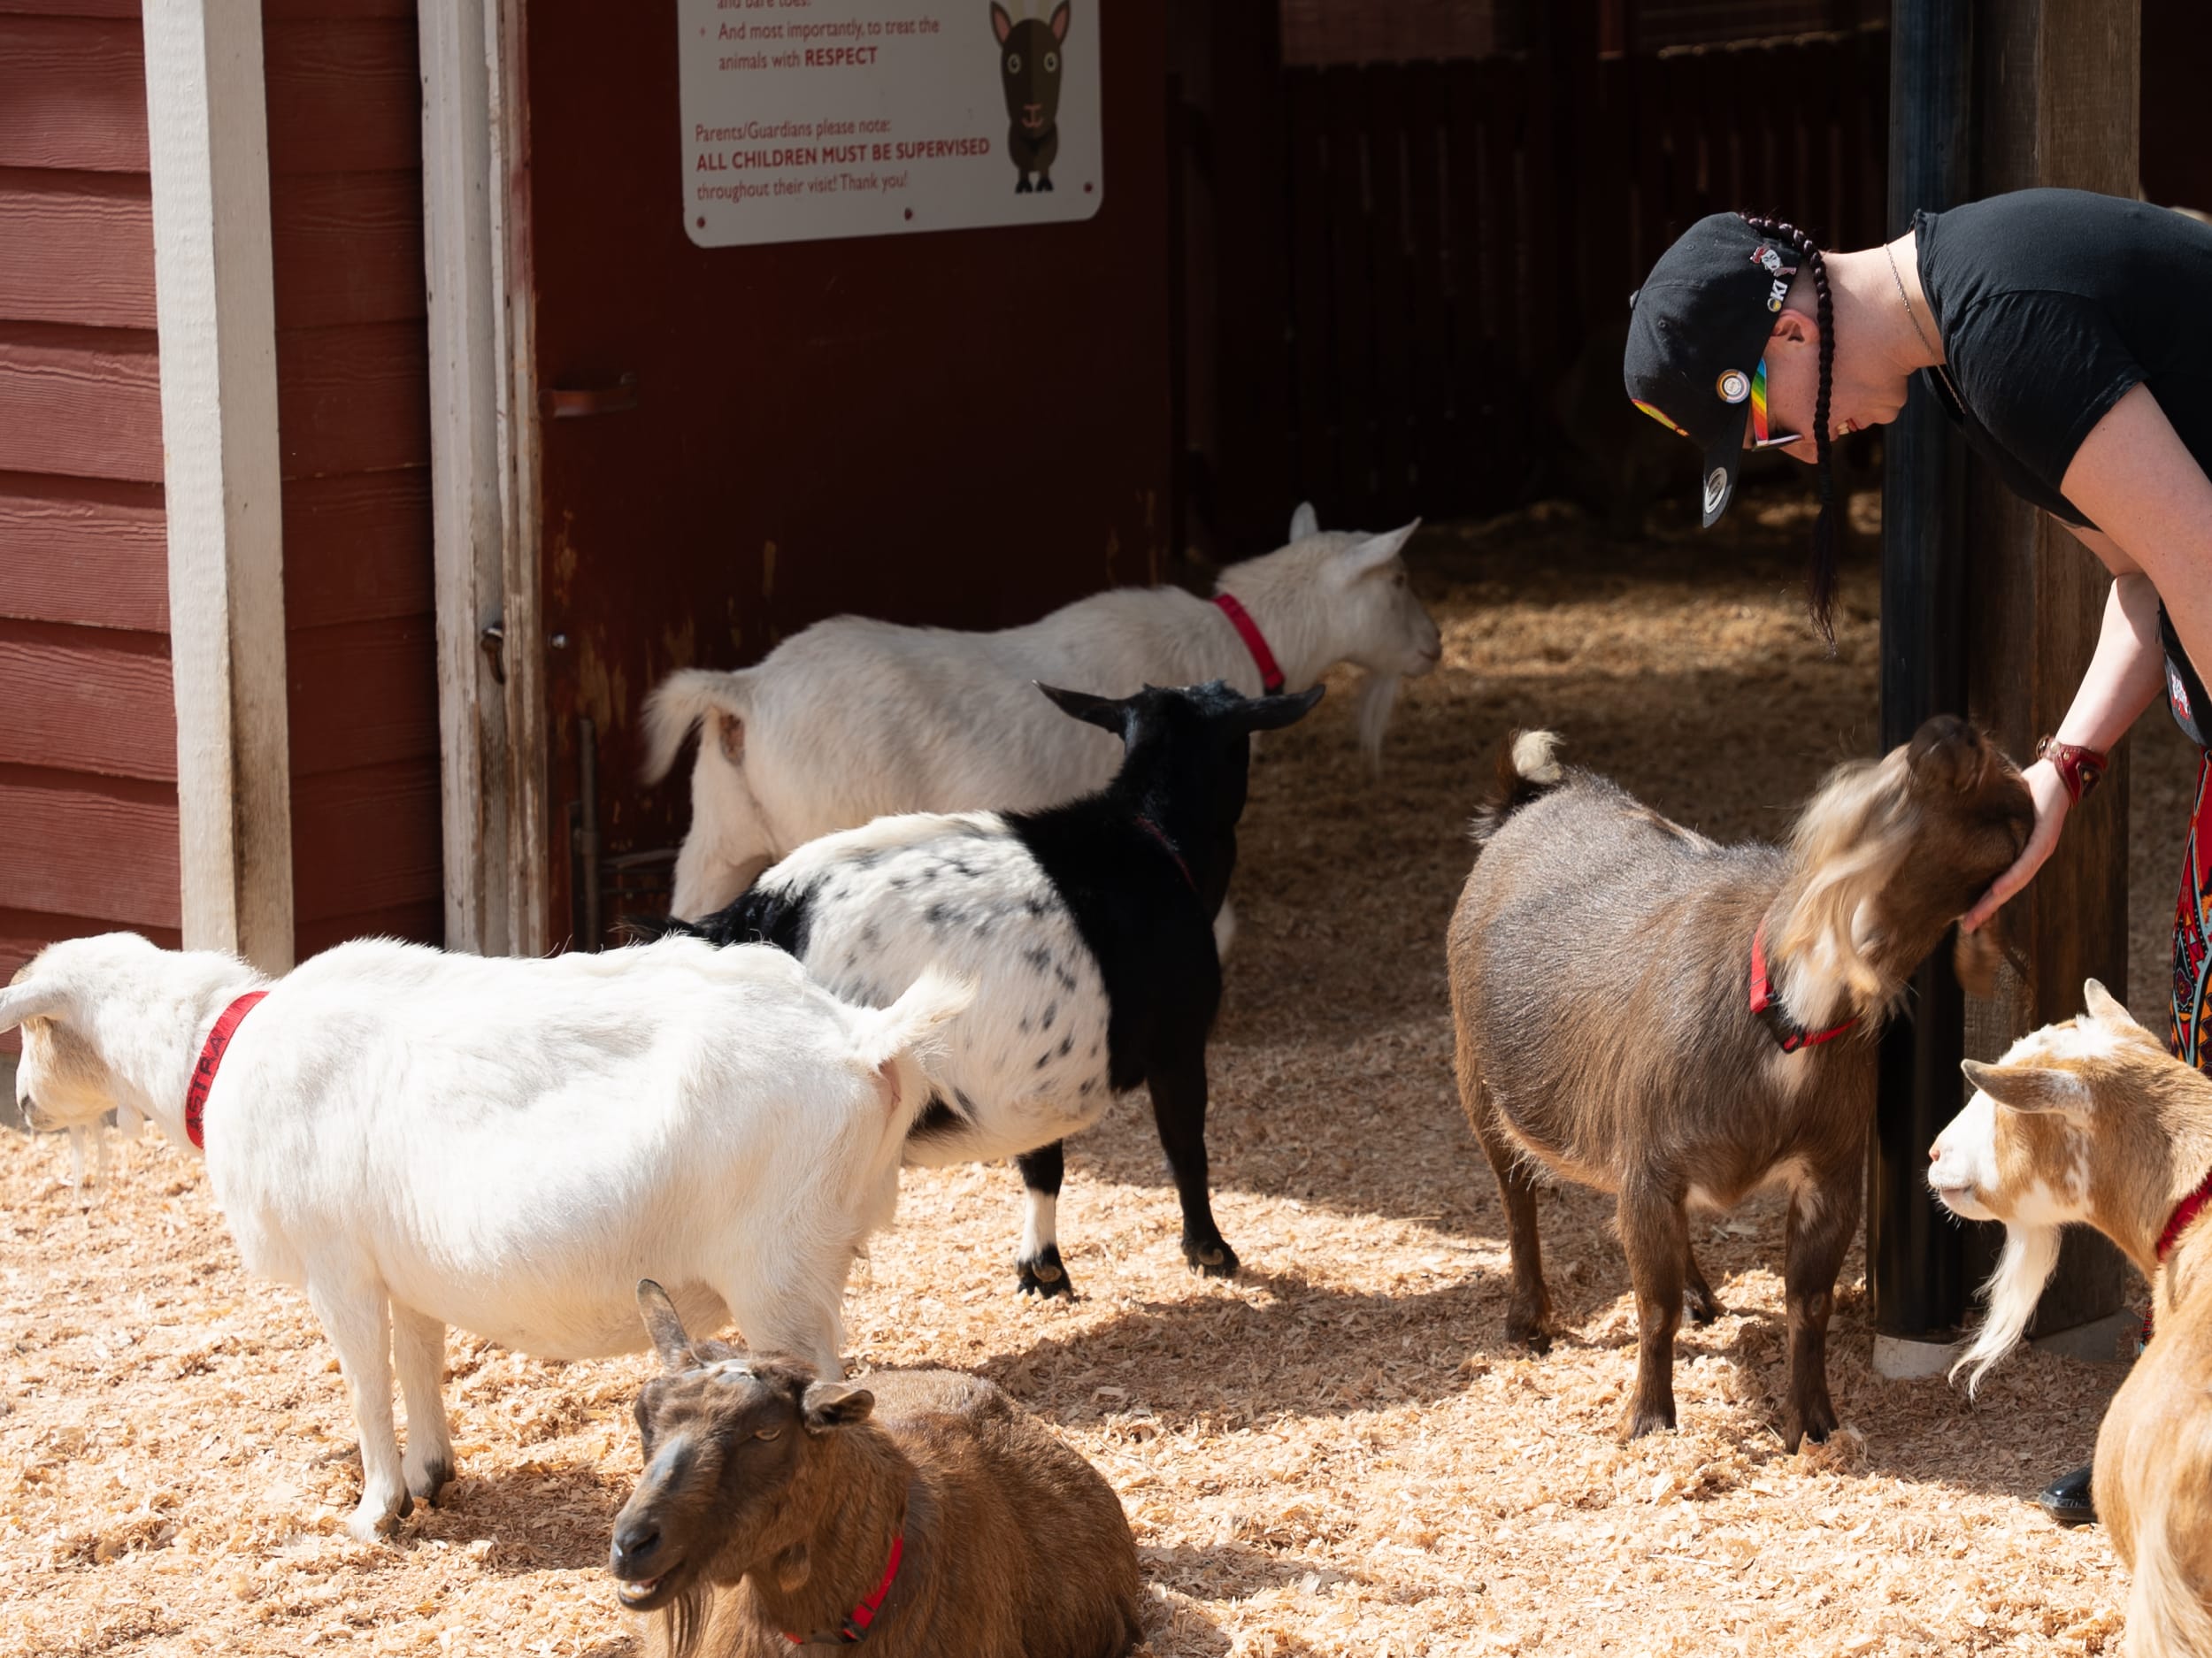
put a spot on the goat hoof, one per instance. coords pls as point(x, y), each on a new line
point(1214, 1259)
point(1044, 184)
point(1022, 188)
point(1650, 1419)
point(1704, 1308)
point(1529, 1332)
point(1815, 1424)
point(433, 1479)
point(1043, 1275)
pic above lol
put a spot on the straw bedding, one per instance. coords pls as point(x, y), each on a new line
point(1336, 1452)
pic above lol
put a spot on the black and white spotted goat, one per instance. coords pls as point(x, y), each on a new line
point(1088, 929)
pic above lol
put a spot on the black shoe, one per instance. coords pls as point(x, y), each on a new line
point(2067, 1498)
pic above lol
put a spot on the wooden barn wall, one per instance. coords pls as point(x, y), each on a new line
point(87, 748)
point(345, 163)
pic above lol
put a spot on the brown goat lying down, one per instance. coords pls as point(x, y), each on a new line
point(926, 1511)
point(2093, 1121)
point(1615, 1026)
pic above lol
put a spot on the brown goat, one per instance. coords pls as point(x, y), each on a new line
point(1611, 1025)
point(925, 1510)
point(2093, 1121)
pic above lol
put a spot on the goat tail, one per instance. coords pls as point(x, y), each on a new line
point(2166, 1616)
point(683, 702)
point(906, 1041)
point(1528, 768)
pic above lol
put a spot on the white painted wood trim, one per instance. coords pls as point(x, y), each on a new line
point(459, 52)
point(215, 305)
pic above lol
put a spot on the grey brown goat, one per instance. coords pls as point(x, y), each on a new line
point(926, 1511)
point(1680, 1022)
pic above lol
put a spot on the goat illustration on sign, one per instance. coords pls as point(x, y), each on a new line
point(1029, 74)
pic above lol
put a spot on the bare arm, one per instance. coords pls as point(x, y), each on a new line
point(2133, 475)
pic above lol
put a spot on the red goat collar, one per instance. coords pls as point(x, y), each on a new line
point(1255, 641)
point(1766, 1006)
point(2187, 1210)
point(1160, 834)
point(853, 1629)
point(212, 1053)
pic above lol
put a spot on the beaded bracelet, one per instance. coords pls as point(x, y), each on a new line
point(2079, 768)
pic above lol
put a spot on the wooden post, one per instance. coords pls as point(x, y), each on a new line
point(466, 462)
point(215, 304)
point(2057, 81)
point(1918, 1272)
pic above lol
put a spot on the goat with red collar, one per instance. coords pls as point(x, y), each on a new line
point(2093, 1122)
point(1681, 1022)
point(853, 719)
point(417, 1139)
point(1086, 928)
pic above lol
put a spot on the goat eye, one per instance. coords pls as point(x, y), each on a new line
point(1013, 63)
point(769, 1433)
point(1052, 63)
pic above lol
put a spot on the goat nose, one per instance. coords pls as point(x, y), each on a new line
point(634, 1546)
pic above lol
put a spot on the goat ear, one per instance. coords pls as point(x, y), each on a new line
point(665, 1325)
point(828, 1405)
point(1104, 712)
point(1363, 559)
point(1976, 957)
point(1272, 713)
point(2104, 1007)
point(1060, 21)
point(2031, 1090)
point(1304, 522)
point(34, 1001)
point(1002, 25)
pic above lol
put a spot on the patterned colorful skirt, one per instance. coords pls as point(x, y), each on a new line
point(2189, 1026)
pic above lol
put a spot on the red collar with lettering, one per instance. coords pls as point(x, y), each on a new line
point(1255, 641)
point(855, 1628)
point(210, 1059)
point(1766, 1006)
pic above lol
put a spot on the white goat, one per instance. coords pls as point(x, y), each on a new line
point(853, 719)
point(421, 1139)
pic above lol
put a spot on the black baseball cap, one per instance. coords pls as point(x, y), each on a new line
point(1697, 333)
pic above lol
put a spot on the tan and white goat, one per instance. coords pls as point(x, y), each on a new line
point(2093, 1121)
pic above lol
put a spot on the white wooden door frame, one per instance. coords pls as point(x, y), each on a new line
point(484, 477)
point(215, 309)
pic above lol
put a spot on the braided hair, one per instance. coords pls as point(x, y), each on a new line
point(1820, 575)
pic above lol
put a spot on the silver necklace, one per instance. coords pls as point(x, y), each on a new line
point(1926, 344)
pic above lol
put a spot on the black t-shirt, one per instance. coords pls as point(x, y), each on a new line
point(2051, 304)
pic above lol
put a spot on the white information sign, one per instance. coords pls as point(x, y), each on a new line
point(810, 119)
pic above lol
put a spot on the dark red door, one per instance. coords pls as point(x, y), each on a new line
point(965, 427)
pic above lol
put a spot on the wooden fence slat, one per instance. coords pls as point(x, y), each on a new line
point(1310, 307)
point(79, 248)
point(1351, 293)
point(84, 551)
point(367, 67)
point(1474, 253)
point(1390, 266)
point(82, 699)
point(1428, 314)
point(80, 403)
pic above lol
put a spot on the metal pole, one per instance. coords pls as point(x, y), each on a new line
point(1917, 1261)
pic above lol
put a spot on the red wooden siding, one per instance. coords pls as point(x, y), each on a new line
point(88, 749)
point(345, 143)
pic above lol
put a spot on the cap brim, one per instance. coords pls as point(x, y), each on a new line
point(1721, 458)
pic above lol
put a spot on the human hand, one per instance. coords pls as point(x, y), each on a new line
point(2052, 803)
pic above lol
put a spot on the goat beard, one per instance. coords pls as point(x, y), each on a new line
point(2029, 1257)
point(1378, 694)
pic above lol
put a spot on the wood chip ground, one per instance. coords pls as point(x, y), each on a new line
point(1336, 1452)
